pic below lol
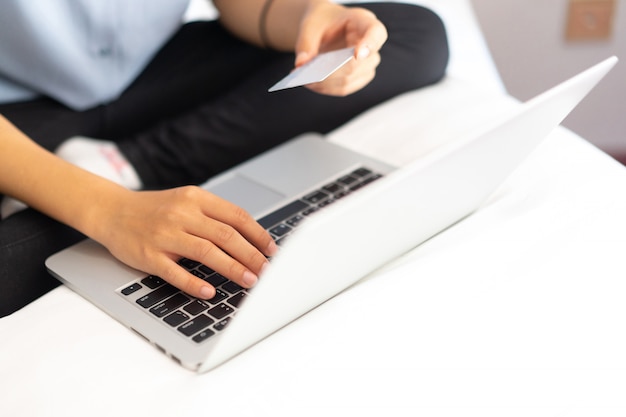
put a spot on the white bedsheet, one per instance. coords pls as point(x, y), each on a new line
point(517, 311)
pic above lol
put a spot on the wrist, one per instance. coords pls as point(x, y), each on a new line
point(97, 218)
point(280, 22)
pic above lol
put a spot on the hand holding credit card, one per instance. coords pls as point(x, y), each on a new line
point(316, 70)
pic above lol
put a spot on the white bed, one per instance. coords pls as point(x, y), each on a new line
point(517, 311)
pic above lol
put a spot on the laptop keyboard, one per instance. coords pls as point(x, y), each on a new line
point(198, 319)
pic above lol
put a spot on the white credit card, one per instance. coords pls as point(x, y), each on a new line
point(316, 70)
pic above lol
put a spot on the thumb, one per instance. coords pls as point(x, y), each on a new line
point(308, 42)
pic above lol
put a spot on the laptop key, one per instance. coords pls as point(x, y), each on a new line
point(169, 305)
point(219, 296)
point(195, 325)
point(157, 295)
point(371, 179)
point(216, 279)
point(203, 335)
point(295, 220)
point(282, 213)
point(357, 186)
point(315, 197)
point(231, 287)
point(206, 269)
point(220, 311)
point(341, 194)
point(326, 203)
point(236, 299)
point(347, 180)
point(333, 188)
point(152, 281)
point(131, 288)
point(221, 325)
point(176, 318)
point(196, 307)
point(309, 211)
point(188, 263)
point(280, 230)
point(197, 273)
point(361, 172)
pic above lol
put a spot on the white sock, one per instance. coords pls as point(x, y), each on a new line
point(101, 158)
point(97, 156)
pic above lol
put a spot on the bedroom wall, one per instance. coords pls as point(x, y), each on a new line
point(528, 44)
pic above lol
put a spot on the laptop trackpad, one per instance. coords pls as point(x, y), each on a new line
point(246, 193)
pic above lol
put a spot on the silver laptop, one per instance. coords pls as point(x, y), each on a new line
point(337, 215)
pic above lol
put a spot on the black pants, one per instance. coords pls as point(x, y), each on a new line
point(200, 107)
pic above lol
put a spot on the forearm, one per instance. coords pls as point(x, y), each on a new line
point(281, 21)
point(55, 187)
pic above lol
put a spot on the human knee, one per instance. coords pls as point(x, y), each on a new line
point(417, 47)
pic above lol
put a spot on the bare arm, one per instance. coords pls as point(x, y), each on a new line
point(41, 180)
point(283, 18)
point(147, 230)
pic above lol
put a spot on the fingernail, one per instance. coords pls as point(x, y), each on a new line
point(363, 52)
point(207, 292)
point(301, 58)
point(271, 249)
point(249, 279)
point(263, 268)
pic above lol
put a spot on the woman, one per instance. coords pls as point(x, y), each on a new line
point(174, 105)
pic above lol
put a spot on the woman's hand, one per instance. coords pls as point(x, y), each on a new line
point(326, 27)
point(152, 230)
point(309, 27)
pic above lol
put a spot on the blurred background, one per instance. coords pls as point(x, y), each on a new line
point(538, 43)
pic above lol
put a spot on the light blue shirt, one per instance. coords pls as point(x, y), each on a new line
point(80, 52)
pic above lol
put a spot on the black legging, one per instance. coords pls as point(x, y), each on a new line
point(200, 107)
